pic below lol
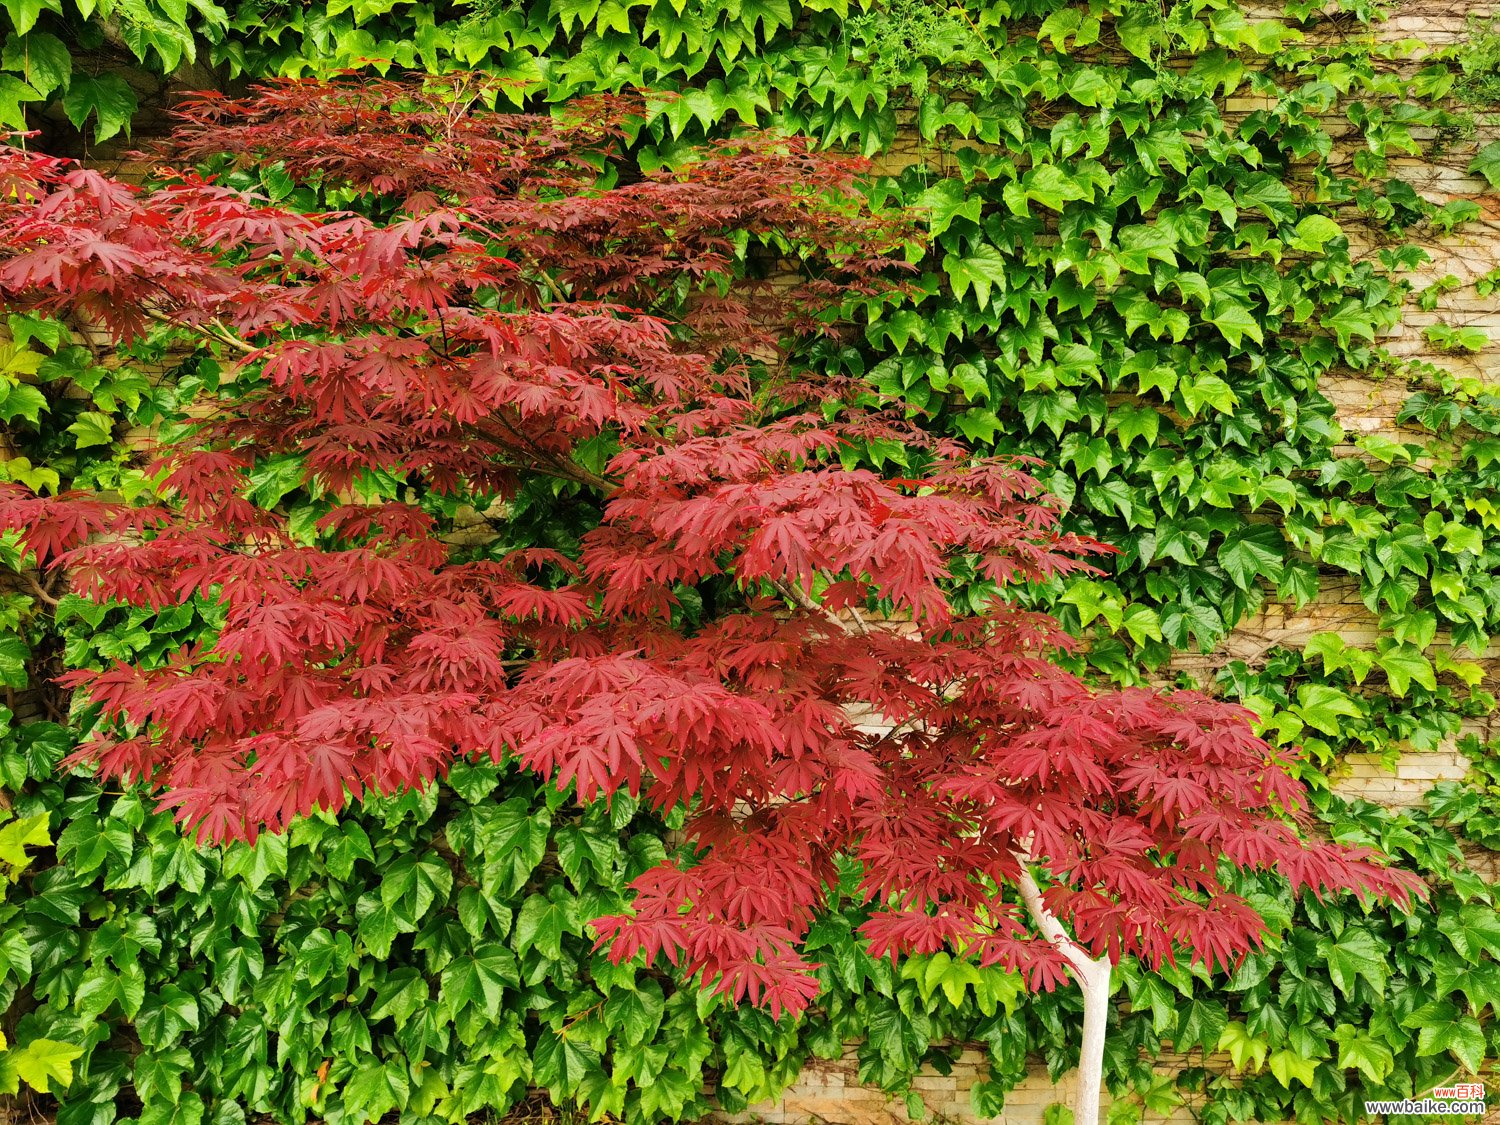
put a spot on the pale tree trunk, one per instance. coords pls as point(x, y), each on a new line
point(1093, 977)
point(1092, 974)
point(1094, 982)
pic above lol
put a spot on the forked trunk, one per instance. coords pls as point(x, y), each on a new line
point(1093, 977)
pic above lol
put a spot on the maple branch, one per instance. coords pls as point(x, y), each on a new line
point(561, 468)
point(214, 331)
point(1093, 976)
point(84, 332)
point(224, 336)
point(794, 593)
point(37, 588)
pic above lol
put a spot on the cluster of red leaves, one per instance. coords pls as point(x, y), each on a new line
point(492, 313)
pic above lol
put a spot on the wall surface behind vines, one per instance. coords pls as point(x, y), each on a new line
point(1232, 273)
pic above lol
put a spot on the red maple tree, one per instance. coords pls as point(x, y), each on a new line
point(517, 300)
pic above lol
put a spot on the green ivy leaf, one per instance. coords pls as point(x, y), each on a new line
point(560, 1064)
point(377, 1089)
point(1149, 991)
point(1181, 621)
point(273, 479)
point(1348, 320)
point(983, 269)
point(1473, 930)
point(953, 975)
point(1246, 1051)
point(1199, 1023)
point(1404, 664)
point(480, 978)
point(42, 61)
point(1321, 707)
point(544, 921)
point(1299, 582)
point(107, 99)
point(157, 1075)
point(587, 855)
point(979, 425)
point(1252, 553)
point(1142, 623)
point(635, 1014)
point(400, 996)
point(46, 1065)
point(1092, 600)
point(1132, 422)
point(417, 882)
point(1288, 1066)
point(1355, 954)
point(168, 1013)
point(946, 201)
point(24, 13)
point(14, 658)
point(17, 836)
point(1265, 193)
point(92, 428)
point(1207, 390)
point(379, 924)
point(1440, 1028)
point(22, 402)
point(1487, 163)
point(1234, 322)
point(1141, 32)
point(90, 841)
point(187, 1110)
point(1313, 232)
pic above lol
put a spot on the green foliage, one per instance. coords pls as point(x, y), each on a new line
point(1451, 338)
point(44, 1065)
point(1122, 283)
point(427, 954)
point(1473, 806)
point(1477, 55)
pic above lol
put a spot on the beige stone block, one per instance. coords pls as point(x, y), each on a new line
point(1423, 767)
point(934, 1082)
point(1394, 794)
